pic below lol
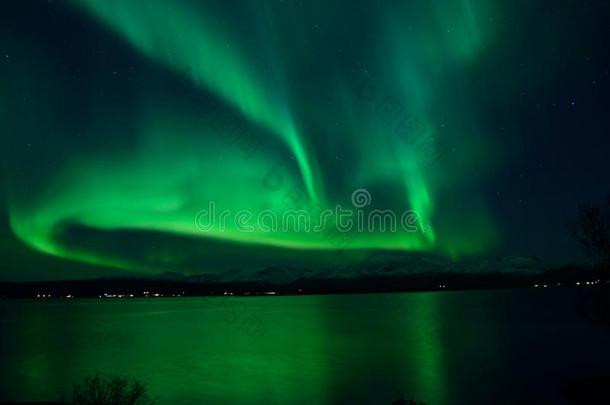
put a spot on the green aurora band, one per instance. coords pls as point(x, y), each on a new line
point(312, 91)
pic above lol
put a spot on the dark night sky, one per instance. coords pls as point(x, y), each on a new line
point(122, 120)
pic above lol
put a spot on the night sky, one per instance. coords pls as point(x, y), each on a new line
point(122, 120)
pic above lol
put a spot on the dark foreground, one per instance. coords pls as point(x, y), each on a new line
point(509, 346)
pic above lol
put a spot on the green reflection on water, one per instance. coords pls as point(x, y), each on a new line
point(316, 349)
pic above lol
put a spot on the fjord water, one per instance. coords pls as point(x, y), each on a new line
point(444, 348)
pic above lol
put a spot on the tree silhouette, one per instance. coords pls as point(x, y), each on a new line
point(591, 229)
point(401, 400)
point(99, 390)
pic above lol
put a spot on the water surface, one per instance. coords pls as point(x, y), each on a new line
point(444, 348)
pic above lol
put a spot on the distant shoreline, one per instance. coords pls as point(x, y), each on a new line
point(131, 288)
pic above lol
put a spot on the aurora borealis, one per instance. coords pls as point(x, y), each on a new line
point(123, 119)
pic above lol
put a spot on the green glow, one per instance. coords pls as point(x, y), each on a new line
point(217, 350)
point(327, 138)
point(187, 40)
